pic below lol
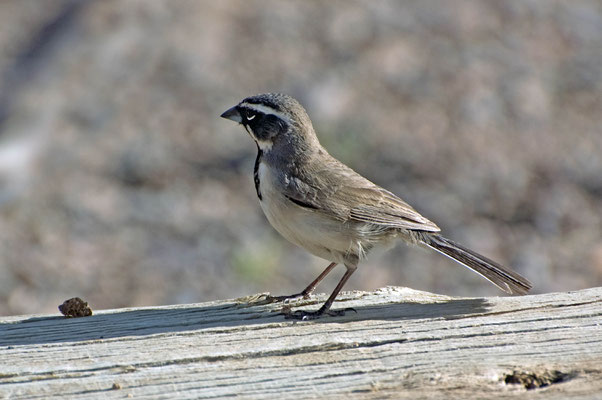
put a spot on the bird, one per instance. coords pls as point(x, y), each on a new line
point(323, 206)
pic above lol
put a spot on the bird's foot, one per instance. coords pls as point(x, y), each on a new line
point(287, 299)
point(303, 315)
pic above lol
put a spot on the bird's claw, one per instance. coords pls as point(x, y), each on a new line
point(310, 315)
point(286, 299)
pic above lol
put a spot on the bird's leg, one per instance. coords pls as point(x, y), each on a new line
point(308, 290)
point(325, 309)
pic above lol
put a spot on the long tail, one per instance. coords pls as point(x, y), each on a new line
point(502, 277)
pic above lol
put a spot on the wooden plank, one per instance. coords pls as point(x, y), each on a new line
point(401, 343)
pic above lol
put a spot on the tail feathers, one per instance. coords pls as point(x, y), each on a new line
point(503, 277)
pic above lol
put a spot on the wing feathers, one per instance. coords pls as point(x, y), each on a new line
point(340, 192)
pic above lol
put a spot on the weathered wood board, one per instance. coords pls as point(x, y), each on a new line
point(401, 343)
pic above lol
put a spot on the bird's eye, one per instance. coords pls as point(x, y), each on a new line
point(250, 116)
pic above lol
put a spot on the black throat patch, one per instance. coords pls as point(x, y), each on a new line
point(256, 172)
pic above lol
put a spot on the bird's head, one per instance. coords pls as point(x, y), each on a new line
point(274, 119)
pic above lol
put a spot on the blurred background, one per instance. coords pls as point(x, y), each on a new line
point(119, 183)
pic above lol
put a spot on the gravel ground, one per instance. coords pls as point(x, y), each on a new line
point(120, 184)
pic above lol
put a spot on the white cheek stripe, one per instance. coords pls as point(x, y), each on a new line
point(266, 110)
point(264, 145)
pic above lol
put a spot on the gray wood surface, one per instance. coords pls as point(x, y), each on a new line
point(401, 343)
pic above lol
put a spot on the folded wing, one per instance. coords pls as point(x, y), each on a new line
point(343, 194)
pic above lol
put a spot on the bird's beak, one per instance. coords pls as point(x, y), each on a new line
point(232, 114)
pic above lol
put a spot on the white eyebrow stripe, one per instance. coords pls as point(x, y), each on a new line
point(266, 110)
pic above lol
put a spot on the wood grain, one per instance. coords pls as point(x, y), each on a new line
point(401, 343)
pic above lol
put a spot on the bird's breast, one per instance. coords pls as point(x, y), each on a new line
point(310, 229)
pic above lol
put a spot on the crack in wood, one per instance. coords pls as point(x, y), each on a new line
point(534, 380)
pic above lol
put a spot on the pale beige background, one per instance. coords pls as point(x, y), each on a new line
point(119, 182)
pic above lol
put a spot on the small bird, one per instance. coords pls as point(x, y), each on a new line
point(323, 206)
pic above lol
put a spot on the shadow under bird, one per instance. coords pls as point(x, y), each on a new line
point(323, 206)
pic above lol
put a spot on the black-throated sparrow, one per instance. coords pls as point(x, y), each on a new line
point(320, 204)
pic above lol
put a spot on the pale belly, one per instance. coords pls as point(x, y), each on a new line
point(318, 234)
